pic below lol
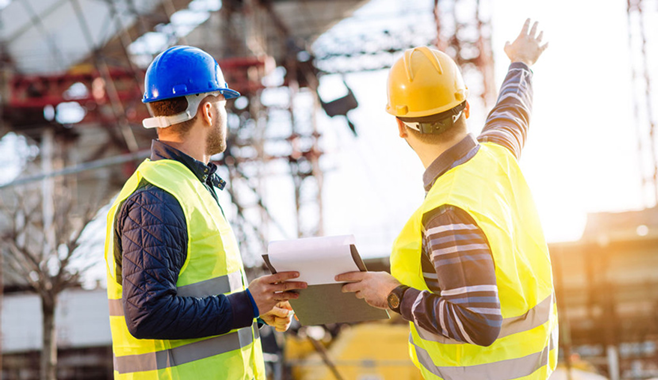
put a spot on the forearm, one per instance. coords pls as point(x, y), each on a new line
point(164, 315)
point(509, 120)
point(461, 319)
point(153, 239)
point(464, 304)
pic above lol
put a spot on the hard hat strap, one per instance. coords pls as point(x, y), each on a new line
point(435, 124)
point(193, 102)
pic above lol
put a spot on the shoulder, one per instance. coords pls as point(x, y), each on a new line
point(150, 204)
point(449, 218)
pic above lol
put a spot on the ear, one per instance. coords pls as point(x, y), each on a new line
point(206, 113)
point(467, 110)
point(402, 129)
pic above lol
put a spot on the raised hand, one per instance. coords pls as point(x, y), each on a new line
point(270, 290)
point(527, 47)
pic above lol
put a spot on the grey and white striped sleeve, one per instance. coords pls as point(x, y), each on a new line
point(458, 267)
point(509, 120)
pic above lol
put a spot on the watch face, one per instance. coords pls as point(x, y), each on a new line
point(393, 301)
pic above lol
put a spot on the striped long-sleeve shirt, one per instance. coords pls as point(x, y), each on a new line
point(458, 267)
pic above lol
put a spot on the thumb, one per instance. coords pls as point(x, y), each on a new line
point(507, 45)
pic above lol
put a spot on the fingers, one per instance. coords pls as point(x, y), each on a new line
point(283, 320)
point(284, 296)
point(524, 30)
point(543, 47)
point(540, 36)
point(282, 325)
point(351, 276)
point(288, 286)
point(533, 31)
point(279, 323)
point(284, 305)
point(351, 287)
point(279, 277)
point(280, 313)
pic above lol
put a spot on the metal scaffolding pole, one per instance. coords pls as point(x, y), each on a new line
point(645, 126)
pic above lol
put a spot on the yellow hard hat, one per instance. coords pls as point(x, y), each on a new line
point(424, 82)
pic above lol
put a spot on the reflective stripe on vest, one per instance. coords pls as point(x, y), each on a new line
point(213, 266)
point(502, 370)
point(185, 354)
point(492, 190)
point(535, 317)
point(229, 283)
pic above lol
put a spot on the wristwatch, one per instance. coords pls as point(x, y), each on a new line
point(395, 298)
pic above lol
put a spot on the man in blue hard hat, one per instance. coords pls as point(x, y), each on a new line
point(180, 304)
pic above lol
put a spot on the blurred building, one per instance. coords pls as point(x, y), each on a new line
point(83, 334)
point(607, 291)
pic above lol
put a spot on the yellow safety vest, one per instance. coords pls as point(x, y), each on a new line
point(492, 190)
point(213, 266)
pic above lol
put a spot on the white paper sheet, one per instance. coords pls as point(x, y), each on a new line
point(318, 260)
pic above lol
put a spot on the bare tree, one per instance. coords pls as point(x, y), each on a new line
point(40, 241)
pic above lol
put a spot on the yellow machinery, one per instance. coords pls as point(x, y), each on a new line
point(372, 351)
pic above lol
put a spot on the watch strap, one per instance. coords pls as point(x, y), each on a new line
point(398, 292)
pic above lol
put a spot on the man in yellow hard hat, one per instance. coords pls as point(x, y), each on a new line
point(471, 269)
point(180, 304)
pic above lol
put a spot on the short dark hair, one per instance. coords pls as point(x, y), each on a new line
point(169, 107)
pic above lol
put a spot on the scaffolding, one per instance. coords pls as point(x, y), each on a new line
point(644, 119)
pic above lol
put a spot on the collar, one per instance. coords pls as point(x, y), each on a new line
point(205, 173)
point(454, 156)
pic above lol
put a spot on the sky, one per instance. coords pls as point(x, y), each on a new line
point(581, 155)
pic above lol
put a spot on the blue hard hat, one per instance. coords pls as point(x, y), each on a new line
point(181, 71)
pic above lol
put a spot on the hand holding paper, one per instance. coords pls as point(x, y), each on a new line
point(373, 287)
point(319, 261)
point(267, 291)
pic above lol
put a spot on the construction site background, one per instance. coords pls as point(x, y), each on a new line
point(311, 153)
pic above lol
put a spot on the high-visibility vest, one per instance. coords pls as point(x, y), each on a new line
point(492, 190)
point(213, 266)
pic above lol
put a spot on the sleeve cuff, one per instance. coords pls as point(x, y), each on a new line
point(407, 304)
point(253, 304)
point(243, 311)
point(519, 65)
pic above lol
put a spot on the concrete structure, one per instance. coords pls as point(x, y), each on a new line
point(83, 333)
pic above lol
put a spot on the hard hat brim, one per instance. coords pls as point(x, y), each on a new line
point(229, 93)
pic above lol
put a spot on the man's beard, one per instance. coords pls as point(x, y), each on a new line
point(216, 141)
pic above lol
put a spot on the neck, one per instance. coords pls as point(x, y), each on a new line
point(428, 153)
point(192, 146)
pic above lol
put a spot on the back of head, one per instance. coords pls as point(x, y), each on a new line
point(427, 93)
point(176, 82)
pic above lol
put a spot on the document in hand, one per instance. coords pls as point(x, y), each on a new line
point(318, 261)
